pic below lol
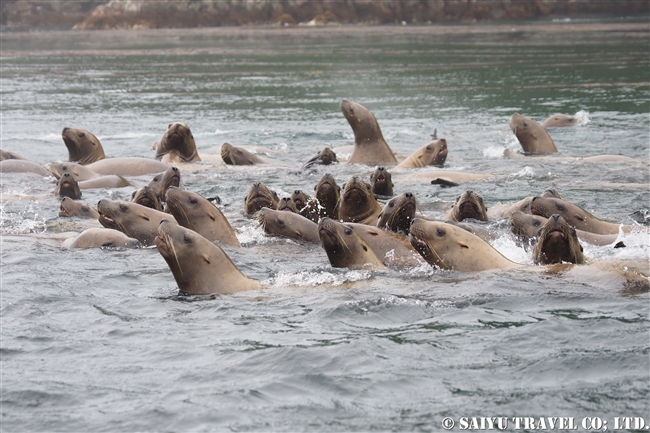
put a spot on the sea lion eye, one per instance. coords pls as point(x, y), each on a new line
point(428, 148)
point(82, 135)
point(85, 209)
point(123, 207)
point(193, 200)
point(525, 124)
point(560, 207)
point(391, 204)
point(187, 239)
point(280, 223)
point(536, 223)
point(347, 231)
point(156, 179)
point(440, 232)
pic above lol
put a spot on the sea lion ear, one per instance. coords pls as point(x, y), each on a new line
point(212, 217)
point(206, 258)
point(144, 217)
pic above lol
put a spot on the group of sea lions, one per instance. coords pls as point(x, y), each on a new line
point(360, 225)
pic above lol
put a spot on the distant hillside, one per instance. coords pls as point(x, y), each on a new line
point(102, 14)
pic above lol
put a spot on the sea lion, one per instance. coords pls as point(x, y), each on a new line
point(369, 144)
point(397, 214)
point(134, 220)
point(106, 181)
point(128, 166)
point(162, 181)
point(68, 187)
point(558, 243)
point(83, 147)
point(575, 216)
point(324, 157)
point(433, 153)
point(328, 194)
point(358, 204)
point(527, 227)
point(306, 206)
point(286, 204)
point(468, 205)
point(533, 138)
point(288, 224)
point(450, 176)
point(146, 196)
point(178, 137)
point(23, 166)
point(9, 155)
point(72, 208)
point(344, 248)
point(195, 212)
point(199, 266)
point(381, 182)
point(449, 247)
point(505, 210)
point(393, 249)
point(233, 155)
point(101, 237)
point(78, 171)
point(609, 158)
point(260, 196)
point(479, 229)
point(560, 121)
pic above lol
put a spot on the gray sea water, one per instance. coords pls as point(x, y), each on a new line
point(99, 340)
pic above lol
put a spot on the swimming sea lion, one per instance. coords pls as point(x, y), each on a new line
point(23, 166)
point(134, 220)
point(83, 147)
point(101, 237)
point(533, 138)
point(453, 248)
point(479, 229)
point(286, 204)
point(238, 156)
point(559, 121)
point(558, 243)
point(199, 266)
point(369, 144)
point(505, 210)
point(344, 248)
point(575, 216)
point(105, 181)
point(288, 224)
point(434, 153)
point(468, 205)
point(128, 166)
point(195, 212)
point(78, 171)
point(527, 227)
point(72, 208)
point(381, 182)
point(393, 249)
point(68, 187)
point(162, 181)
point(178, 137)
point(328, 194)
point(398, 213)
point(260, 196)
point(145, 196)
point(324, 157)
point(451, 176)
point(9, 155)
point(358, 204)
point(306, 206)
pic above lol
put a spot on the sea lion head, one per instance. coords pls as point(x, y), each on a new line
point(433, 153)
point(344, 248)
point(286, 204)
point(572, 214)
point(362, 121)
point(178, 137)
point(381, 182)
point(237, 156)
point(198, 265)
point(146, 196)
point(558, 243)
point(398, 213)
point(324, 157)
point(533, 138)
point(469, 205)
point(260, 196)
point(163, 181)
point(71, 208)
point(83, 147)
point(67, 186)
point(526, 226)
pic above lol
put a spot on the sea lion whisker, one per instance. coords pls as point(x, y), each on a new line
point(168, 241)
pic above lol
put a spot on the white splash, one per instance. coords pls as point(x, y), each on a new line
point(494, 152)
point(311, 279)
point(583, 117)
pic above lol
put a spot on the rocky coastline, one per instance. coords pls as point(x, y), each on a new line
point(146, 14)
